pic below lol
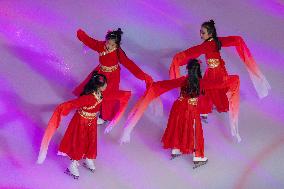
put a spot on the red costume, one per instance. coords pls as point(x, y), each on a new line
point(80, 138)
point(184, 128)
point(111, 69)
point(184, 114)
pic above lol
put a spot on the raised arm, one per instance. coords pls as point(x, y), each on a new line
point(88, 41)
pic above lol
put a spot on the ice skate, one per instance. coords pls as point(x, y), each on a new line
point(173, 156)
point(89, 164)
point(175, 153)
point(199, 161)
point(72, 170)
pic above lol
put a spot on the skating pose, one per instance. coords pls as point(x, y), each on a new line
point(110, 55)
point(80, 139)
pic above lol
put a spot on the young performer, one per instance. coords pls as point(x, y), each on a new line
point(110, 55)
point(184, 132)
point(80, 139)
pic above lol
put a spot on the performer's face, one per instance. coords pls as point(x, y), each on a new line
point(204, 34)
point(103, 87)
point(110, 44)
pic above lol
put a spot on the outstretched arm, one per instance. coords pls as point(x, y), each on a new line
point(260, 83)
point(155, 90)
point(181, 58)
point(90, 42)
point(133, 68)
point(61, 110)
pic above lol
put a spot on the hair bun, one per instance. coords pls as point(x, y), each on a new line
point(119, 31)
point(212, 22)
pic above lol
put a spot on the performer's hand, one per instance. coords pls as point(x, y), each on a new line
point(125, 137)
point(80, 34)
point(79, 31)
point(108, 129)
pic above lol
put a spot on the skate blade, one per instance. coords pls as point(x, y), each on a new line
point(92, 170)
point(173, 156)
point(199, 164)
point(67, 171)
point(204, 121)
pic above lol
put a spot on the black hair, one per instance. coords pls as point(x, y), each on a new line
point(211, 29)
point(194, 74)
point(97, 80)
point(115, 35)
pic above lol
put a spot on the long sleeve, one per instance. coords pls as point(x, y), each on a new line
point(181, 58)
point(132, 67)
point(61, 110)
point(230, 41)
point(260, 83)
point(158, 88)
point(90, 42)
point(68, 106)
point(155, 90)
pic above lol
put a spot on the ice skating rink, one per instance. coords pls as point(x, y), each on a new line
point(41, 61)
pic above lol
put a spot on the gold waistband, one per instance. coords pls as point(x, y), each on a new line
point(87, 115)
point(191, 101)
point(108, 68)
point(213, 63)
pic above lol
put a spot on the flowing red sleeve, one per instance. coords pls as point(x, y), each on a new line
point(155, 90)
point(133, 68)
point(88, 41)
point(259, 81)
point(61, 110)
point(181, 58)
point(123, 98)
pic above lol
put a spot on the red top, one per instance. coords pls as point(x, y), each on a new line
point(113, 58)
point(209, 48)
point(88, 103)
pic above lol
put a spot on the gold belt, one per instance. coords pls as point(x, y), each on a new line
point(108, 68)
point(191, 101)
point(87, 115)
point(213, 63)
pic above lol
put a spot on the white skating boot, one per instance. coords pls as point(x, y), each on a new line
point(175, 153)
point(199, 161)
point(89, 164)
point(72, 170)
point(100, 121)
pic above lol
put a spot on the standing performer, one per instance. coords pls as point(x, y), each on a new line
point(80, 139)
point(184, 132)
point(110, 54)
